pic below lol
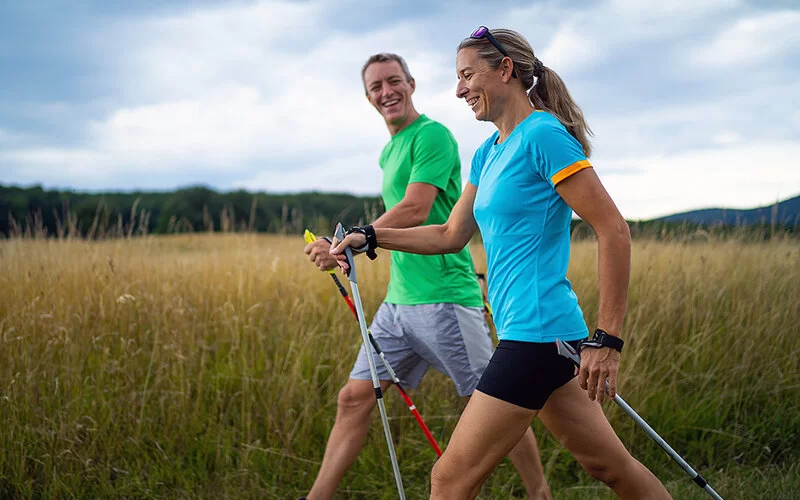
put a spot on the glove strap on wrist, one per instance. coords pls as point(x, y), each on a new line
point(372, 240)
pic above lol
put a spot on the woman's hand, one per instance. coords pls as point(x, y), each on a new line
point(597, 367)
point(352, 240)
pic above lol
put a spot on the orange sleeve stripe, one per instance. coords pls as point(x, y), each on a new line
point(567, 171)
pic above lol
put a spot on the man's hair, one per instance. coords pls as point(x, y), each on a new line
point(385, 57)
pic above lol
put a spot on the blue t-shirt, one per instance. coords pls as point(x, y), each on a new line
point(525, 228)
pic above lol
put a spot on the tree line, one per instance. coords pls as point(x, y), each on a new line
point(39, 213)
point(34, 211)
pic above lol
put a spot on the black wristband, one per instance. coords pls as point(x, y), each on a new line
point(602, 339)
point(372, 240)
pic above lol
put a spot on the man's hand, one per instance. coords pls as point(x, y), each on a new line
point(319, 253)
point(597, 366)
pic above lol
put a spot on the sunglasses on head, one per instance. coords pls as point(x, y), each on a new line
point(483, 32)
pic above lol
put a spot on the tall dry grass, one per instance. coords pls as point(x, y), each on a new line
point(208, 366)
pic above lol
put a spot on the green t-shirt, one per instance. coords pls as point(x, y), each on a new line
point(426, 151)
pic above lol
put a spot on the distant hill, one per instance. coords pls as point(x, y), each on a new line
point(785, 213)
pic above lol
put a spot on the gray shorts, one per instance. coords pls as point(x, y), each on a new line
point(453, 339)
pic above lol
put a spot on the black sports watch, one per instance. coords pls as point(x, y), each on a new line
point(602, 339)
point(372, 240)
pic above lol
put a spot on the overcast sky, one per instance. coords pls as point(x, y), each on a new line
point(693, 103)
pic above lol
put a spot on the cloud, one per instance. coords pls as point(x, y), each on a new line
point(751, 41)
point(710, 177)
point(267, 95)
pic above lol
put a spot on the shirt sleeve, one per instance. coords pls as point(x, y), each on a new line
point(479, 159)
point(559, 154)
point(475, 168)
point(434, 155)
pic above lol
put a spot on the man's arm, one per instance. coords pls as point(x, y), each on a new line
point(412, 210)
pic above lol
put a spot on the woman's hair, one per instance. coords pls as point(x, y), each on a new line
point(549, 94)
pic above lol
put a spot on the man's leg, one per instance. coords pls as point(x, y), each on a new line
point(357, 399)
point(354, 405)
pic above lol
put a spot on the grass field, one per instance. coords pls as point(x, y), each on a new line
point(208, 366)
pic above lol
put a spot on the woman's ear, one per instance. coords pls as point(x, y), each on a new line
point(506, 69)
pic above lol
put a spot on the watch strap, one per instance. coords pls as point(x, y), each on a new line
point(602, 339)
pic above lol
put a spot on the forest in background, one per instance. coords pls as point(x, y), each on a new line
point(39, 213)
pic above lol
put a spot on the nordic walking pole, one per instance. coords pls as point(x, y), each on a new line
point(309, 237)
point(570, 353)
point(376, 384)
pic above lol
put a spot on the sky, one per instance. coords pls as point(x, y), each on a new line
point(694, 104)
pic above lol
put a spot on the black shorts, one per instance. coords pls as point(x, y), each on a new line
point(526, 373)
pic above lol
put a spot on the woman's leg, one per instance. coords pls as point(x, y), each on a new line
point(487, 431)
point(580, 425)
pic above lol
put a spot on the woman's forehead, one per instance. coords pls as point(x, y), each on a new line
point(467, 57)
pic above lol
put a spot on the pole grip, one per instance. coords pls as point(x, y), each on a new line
point(348, 254)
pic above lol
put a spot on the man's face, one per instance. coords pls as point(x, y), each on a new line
point(389, 91)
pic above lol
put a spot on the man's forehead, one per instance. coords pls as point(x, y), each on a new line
point(383, 70)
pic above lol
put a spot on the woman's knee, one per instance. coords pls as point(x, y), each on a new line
point(451, 480)
point(442, 478)
point(601, 472)
point(610, 472)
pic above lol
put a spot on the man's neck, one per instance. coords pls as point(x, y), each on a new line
point(395, 129)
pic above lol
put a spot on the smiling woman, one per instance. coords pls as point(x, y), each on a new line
point(544, 87)
point(525, 181)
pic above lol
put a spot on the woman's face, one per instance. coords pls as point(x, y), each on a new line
point(478, 84)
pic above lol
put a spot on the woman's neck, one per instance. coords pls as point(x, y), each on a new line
point(516, 110)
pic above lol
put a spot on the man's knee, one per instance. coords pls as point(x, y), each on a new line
point(356, 396)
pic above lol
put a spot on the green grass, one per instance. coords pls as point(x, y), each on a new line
point(209, 365)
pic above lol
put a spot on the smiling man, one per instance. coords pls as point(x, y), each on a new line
point(433, 311)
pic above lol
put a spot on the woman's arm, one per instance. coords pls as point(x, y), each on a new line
point(584, 193)
point(449, 237)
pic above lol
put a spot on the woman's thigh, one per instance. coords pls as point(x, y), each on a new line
point(581, 426)
point(487, 431)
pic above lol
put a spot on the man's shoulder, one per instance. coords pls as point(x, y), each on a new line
point(430, 127)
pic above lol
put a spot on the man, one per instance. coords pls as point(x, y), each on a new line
point(433, 311)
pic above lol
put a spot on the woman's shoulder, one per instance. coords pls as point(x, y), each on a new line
point(544, 128)
point(541, 122)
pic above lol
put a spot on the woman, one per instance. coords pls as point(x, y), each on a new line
point(525, 181)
